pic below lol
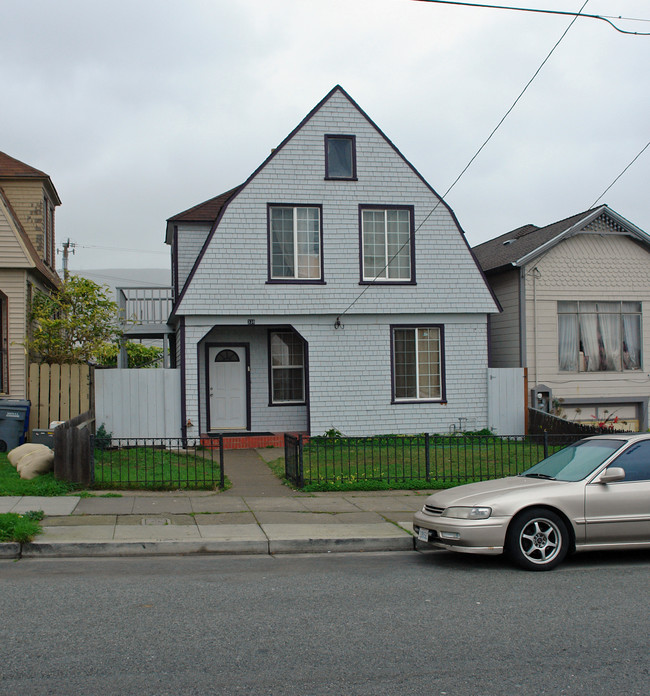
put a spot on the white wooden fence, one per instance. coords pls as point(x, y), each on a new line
point(507, 405)
point(138, 403)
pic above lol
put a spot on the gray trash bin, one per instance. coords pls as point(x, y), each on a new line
point(14, 422)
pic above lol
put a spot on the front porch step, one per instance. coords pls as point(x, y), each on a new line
point(243, 440)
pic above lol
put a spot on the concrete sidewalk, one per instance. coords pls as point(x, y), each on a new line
point(140, 523)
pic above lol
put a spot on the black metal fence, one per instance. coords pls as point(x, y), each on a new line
point(158, 463)
point(418, 458)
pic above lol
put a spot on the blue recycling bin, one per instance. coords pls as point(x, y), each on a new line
point(14, 423)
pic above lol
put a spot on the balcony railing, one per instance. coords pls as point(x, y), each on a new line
point(145, 311)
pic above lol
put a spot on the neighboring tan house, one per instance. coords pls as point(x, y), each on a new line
point(333, 289)
point(576, 302)
point(27, 262)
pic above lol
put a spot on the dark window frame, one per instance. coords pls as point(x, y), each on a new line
point(352, 139)
point(4, 344)
point(443, 380)
point(386, 281)
point(273, 403)
point(269, 244)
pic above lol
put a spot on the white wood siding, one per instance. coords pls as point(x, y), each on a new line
point(13, 283)
point(585, 267)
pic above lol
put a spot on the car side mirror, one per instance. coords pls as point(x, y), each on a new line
point(611, 474)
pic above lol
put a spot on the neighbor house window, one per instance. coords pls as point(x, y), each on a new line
point(417, 363)
point(387, 244)
point(340, 157)
point(294, 243)
point(4, 347)
point(599, 336)
point(287, 376)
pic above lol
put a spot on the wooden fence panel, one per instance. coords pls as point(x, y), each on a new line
point(58, 392)
point(139, 402)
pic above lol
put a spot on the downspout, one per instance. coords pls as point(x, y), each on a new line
point(536, 274)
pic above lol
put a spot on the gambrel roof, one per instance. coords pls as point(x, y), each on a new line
point(518, 247)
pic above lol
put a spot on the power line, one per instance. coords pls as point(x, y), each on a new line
point(467, 166)
point(643, 149)
point(604, 18)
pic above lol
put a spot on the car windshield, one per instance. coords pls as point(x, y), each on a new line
point(575, 462)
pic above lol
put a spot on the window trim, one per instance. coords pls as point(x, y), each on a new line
point(4, 343)
point(293, 281)
point(272, 403)
point(443, 381)
point(387, 281)
point(341, 136)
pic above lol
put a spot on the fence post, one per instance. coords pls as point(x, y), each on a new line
point(427, 457)
point(222, 473)
point(545, 444)
point(301, 475)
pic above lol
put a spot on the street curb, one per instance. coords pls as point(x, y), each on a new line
point(205, 547)
point(9, 550)
point(340, 545)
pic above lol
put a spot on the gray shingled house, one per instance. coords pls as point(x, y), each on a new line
point(574, 295)
point(332, 289)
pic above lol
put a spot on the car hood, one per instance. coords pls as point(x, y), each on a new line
point(487, 492)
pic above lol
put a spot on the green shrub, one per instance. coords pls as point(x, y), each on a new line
point(20, 528)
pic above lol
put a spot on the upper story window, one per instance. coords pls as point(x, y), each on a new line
point(340, 157)
point(295, 242)
point(48, 232)
point(387, 244)
point(599, 336)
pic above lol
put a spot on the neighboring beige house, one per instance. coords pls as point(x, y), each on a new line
point(27, 261)
point(574, 295)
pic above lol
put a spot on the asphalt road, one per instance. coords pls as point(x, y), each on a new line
point(404, 623)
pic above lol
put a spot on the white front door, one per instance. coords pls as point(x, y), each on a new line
point(227, 388)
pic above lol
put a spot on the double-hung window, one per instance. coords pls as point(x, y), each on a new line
point(287, 368)
point(295, 241)
point(387, 247)
point(418, 362)
point(599, 336)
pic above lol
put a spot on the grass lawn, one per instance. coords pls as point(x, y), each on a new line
point(156, 469)
point(12, 484)
point(394, 462)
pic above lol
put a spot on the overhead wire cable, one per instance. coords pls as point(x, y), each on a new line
point(643, 149)
point(467, 166)
point(604, 18)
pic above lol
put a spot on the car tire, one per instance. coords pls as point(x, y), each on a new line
point(538, 539)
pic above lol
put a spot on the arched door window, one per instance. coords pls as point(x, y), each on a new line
point(227, 355)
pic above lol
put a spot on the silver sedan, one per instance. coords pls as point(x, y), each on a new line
point(592, 495)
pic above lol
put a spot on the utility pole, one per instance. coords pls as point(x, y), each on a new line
point(67, 246)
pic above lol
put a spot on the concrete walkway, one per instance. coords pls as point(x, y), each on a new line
point(257, 515)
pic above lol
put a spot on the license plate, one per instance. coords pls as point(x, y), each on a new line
point(423, 534)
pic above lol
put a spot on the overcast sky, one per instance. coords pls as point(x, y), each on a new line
point(141, 109)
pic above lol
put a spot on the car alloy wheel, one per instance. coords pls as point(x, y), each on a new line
point(537, 540)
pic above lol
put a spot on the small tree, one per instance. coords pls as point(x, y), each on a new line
point(74, 324)
point(137, 354)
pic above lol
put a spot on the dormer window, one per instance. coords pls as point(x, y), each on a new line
point(340, 157)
